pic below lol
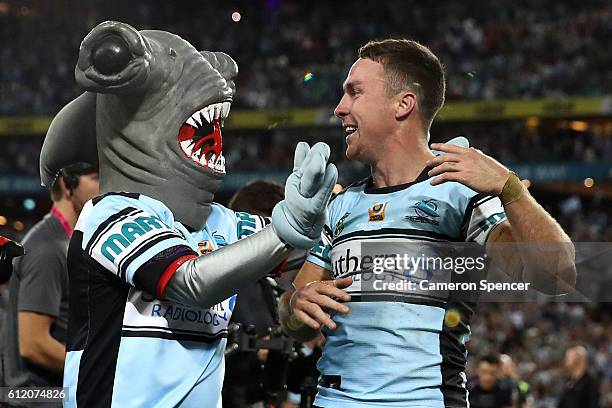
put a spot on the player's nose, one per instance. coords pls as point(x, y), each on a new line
point(342, 109)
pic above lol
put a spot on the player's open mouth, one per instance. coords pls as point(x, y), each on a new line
point(348, 129)
point(200, 136)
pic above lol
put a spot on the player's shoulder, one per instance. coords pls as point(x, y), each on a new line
point(451, 190)
point(349, 193)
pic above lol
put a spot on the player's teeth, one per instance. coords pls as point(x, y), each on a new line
point(225, 109)
point(192, 122)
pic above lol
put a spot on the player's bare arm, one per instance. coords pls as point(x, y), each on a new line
point(304, 309)
point(550, 266)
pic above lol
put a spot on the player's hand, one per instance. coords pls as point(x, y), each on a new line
point(313, 303)
point(300, 217)
point(468, 166)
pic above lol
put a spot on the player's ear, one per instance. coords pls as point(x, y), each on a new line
point(406, 104)
point(66, 190)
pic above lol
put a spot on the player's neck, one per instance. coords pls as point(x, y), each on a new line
point(403, 160)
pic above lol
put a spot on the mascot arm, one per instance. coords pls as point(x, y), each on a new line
point(207, 280)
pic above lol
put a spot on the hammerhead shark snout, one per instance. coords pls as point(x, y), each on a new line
point(113, 57)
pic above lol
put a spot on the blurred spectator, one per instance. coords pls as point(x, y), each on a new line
point(582, 387)
point(510, 379)
point(36, 322)
point(486, 391)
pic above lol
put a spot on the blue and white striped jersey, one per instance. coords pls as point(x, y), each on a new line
point(126, 347)
point(394, 349)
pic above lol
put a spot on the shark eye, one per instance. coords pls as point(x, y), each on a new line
point(172, 52)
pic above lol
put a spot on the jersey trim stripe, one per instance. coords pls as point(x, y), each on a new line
point(108, 224)
point(124, 264)
point(395, 232)
point(396, 297)
point(474, 202)
point(200, 337)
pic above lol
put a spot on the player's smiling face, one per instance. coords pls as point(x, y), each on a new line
point(366, 111)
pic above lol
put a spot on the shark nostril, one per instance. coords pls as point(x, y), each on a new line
point(111, 56)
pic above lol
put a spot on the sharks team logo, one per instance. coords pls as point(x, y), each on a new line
point(426, 212)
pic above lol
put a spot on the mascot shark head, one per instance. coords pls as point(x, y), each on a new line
point(150, 118)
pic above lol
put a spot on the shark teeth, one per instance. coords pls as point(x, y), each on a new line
point(209, 114)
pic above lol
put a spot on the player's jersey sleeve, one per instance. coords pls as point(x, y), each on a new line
point(482, 215)
point(132, 238)
point(248, 224)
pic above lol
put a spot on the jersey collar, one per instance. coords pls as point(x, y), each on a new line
point(370, 189)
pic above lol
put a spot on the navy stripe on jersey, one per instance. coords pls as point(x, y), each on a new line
point(99, 198)
point(108, 224)
point(142, 248)
point(95, 322)
point(199, 337)
point(454, 355)
point(147, 276)
point(370, 189)
point(390, 296)
point(474, 202)
point(394, 233)
point(347, 188)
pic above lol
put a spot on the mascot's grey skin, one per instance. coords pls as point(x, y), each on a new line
point(151, 118)
point(153, 100)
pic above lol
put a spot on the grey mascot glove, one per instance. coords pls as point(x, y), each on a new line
point(300, 217)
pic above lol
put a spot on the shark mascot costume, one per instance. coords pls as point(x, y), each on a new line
point(154, 263)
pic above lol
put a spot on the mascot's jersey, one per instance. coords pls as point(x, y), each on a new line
point(125, 347)
point(393, 349)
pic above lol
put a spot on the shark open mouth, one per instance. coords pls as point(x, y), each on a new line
point(200, 136)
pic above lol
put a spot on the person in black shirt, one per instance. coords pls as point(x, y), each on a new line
point(582, 387)
point(486, 391)
point(33, 337)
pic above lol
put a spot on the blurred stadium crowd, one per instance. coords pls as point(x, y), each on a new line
point(491, 50)
point(537, 335)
